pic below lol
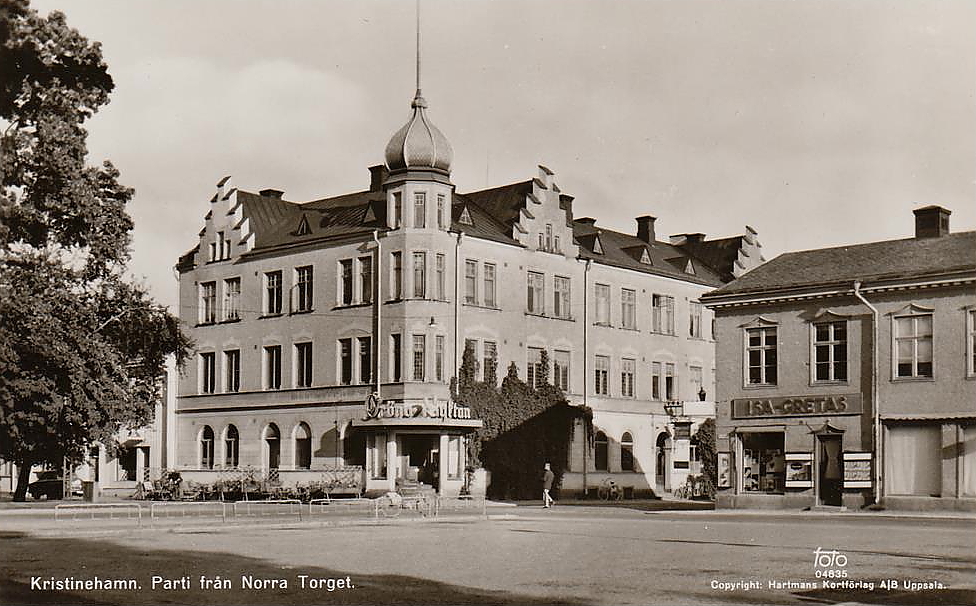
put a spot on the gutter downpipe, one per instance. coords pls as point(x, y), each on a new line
point(874, 392)
point(379, 308)
point(586, 330)
point(457, 308)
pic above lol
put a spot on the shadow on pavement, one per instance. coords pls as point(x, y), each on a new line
point(900, 598)
point(25, 557)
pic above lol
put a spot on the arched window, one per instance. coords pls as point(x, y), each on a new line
point(600, 452)
point(627, 452)
point(207, 447)
point(272, 442)
point(231, 447)
point(303, 446)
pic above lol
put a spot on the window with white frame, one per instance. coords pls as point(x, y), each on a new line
point(208, 372)
point(396, 275)
point(441, 212)
point(272, 367)
point(549, 236)
point(535, 293)
point(601, 384)
point(670, 393)
point(396, 358)
point(656, 378)
point(303, 364)
point(560, 297)
point(662, 314)
point(628, 308)
point(761, 356)
point(602, 292)
point(397, 210)
point(439, 358)
point(272, 293)
point(208, 302)
point(365, 359)
point(471, 281)
point(830, 351)
point(345, 362)
point(534, 370)
point(346, 287)
point(913, 346)
point(695, 319)
point(627, 369)
point(489, 356)
point(303, 288)
point(232, 299)
point(696, 379)
point(489, 293)
point(560, 369)
point(971, 341)
point(419, 275)
point(365, 279)
point(419, 357)
point(232, 370)
point(420, 209)
point(232, 440)
point(440, 272)
point(207, 447)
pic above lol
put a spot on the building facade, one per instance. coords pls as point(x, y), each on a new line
point(328, 331)
point(846, 375)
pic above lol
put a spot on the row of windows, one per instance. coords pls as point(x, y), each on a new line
point(355, 363)
point(419, 214)
point(272, 447)
point(912, 350)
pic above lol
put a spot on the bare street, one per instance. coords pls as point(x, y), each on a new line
point(525, 555)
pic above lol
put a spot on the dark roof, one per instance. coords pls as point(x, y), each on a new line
point(720, 255)
point(876, 261)
point(624, 250)
point(484, 225)
point(503, 203)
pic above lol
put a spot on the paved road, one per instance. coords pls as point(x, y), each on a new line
point(532, 556)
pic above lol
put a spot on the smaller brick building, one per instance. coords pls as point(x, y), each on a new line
point(824, 354)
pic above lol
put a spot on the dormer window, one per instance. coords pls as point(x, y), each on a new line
point(303, 228)
point(465, 217)
point(597, 246)
point(645, 258)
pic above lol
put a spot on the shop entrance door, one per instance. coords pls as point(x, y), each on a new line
point(829, 472)
point(421, 459)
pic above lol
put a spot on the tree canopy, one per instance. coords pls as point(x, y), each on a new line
point(82, 344)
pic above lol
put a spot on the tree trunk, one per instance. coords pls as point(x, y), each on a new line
point(23, 479)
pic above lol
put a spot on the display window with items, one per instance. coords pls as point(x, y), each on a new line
point(763, 463)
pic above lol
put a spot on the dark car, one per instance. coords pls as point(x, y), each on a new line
point(49, 484)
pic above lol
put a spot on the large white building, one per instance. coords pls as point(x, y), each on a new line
point(302, 310)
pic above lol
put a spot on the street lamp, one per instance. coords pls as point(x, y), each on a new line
point(674, 408)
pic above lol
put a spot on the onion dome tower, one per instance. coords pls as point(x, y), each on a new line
point(419, 145)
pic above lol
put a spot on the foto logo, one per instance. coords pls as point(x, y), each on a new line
point(829, 559)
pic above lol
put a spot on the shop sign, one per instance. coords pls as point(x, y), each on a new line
point(791, 406)
point(432, 409)
point(857, 470)
point(799, 470)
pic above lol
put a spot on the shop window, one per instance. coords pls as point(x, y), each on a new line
point(454, 457)
point(763, 463)
point(913, 460)
point(207, 447)
point(232, 442)
point(303, 446)
point(600, 452)
point(627, 452)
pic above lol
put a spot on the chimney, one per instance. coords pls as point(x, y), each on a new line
point(931, 222)
point(377, 176)
point(272, 193)
point(586, 220)
point(645, 228)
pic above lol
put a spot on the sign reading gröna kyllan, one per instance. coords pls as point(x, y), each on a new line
point(794, 406)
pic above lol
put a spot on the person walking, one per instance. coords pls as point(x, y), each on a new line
point(547, 479)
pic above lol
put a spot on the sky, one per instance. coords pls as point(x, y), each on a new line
point(818, 123)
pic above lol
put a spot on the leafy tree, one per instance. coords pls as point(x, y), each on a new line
point(705, 436)
point(82, 347)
